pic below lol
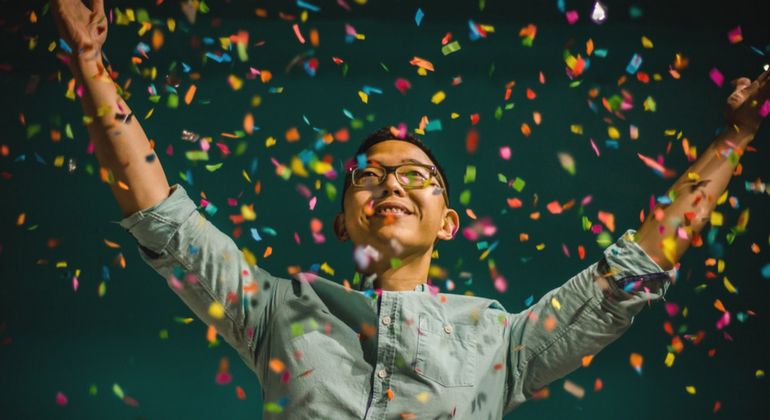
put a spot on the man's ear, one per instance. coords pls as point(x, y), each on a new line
point(339, 227)
point(449, 225)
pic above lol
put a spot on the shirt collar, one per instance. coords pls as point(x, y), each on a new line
point(366, 284)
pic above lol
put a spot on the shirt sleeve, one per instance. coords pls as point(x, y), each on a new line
point(578, 319)
point(205, 268)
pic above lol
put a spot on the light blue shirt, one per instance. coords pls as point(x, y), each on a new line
point(322, 351)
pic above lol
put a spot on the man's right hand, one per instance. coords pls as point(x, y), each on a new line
point(83, 29)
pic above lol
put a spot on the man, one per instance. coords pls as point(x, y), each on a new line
point(389, 346)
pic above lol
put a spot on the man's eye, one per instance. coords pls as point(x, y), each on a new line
point(416, 174)
point(368, 173)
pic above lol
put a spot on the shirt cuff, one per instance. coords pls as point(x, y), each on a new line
point(154, 227)
point(632, 269)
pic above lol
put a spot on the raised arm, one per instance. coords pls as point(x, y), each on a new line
point(697, 190)
point(119, 141)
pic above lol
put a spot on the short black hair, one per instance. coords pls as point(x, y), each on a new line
point(391, 133)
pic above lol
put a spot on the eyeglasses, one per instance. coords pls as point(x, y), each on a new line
point(410, 175)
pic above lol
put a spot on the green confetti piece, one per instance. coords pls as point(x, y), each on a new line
point(183, 176)
point(509, 106)
point(356, 124)
point(142, 16)
point(68, 131)
point(576, 83)
point(344, 69)
point(203, 7)
point(604, 239)
point(240, 133)
point(450, 48)
point(241, 148)
point(482, 3)
point(117, 390)
point(465, 197)
point(395, 262)
point(470, 174)
point(155, 98)
point(90, 169)
point(700, 288)
point(195, 155)
point(173, 101)
point(527, 41)
point(212, 168)
point(272, 407)
point(518, 184)
point(385, 67)
point(492, 69)
point(92, 389)
point(331, 191)
point(33, 129)
point(586, 223)
point(313, 323)
point(498, 113)
point(502, 178)
point(163, 334)
point(297, 329)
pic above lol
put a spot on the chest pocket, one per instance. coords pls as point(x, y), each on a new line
point(446, 352)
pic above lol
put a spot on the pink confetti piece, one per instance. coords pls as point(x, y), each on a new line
point(343, 5)
point(667, 173)
point(671, 308)
point(312, 203)
point(170, 150)
point(572, 16)
point(299, 35)
point(596, 229)
point(75, 284)
point(735, 35)
point(205, 202)
point(285, 376)
point(349, 30)
point(205, 146)
point(403, 85)
point(254, 71)
point(724, 320)
point(586, 200)
point(565, 250)
point(232, 202)
point(501, 285)
point(224, 148)
point(681, 233)
point(596, 149)
point(717, 77)
point(296, 238)
point(90, 148)
point(505, 152)
point(176, 284)
point(61, 399)
point(765, 109)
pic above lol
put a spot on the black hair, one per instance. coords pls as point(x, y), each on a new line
point(389, 133)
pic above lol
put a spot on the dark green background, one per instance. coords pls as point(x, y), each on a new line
point(57, 339)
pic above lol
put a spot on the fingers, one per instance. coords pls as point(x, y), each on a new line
point(741, 83)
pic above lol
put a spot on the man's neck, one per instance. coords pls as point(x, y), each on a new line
point(410, 273)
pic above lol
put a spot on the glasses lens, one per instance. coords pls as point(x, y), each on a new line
point(413, 175)
point(368, 176)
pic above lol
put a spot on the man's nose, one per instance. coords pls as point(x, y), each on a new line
point(391, 185)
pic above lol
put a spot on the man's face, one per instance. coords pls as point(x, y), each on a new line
point(423, 216)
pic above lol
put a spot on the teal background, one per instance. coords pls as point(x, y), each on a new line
point(59, 340)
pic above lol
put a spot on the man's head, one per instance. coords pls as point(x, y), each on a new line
point(399, 210)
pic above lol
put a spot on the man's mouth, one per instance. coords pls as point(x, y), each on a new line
point(390, 211)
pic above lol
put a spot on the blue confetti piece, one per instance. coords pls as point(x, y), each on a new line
point(308, 6)
point(306, 156)
point(255, 235)
point(757, 50)
point(21, 158)
point(742, 316)
point(306, 120)
point(482, 245)
point(309, 70)
point(560, 5)
point(664, 200)
point(64, 46)
point(211, 209)
point(766, 271)
point(347, 113)
point(634, 64)
point(253, 167)
point(269, 231)
point(629, 287)
point(142, 48)
point(319, 144)
point(493, 246)
point(315, 267)
point(185, 68)
point(433, 125)
point(475, 34)
point(600, 53)
point(189, 177)
point(194, 250)
point(361, 160)
point(418, 17)
point(587, 64)
point(208, 41)
point(105, 273)
point(529, 300)
point(153, 91)
point(40, 159)
point(274, 90)
point(150, 158)
point(369, 90)
point(612, 144)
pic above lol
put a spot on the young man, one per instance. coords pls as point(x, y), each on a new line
point(390, 346)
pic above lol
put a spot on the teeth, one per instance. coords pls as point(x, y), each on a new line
point(391, 210)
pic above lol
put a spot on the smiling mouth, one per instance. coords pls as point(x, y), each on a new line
point(391, 211)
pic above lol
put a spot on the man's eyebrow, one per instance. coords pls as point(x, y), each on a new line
point(409, 160)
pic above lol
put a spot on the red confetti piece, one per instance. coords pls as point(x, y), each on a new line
point(240, 392)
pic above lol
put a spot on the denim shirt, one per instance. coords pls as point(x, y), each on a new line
point(324, 351)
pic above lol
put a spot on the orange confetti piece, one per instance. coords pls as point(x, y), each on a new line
point(718, 304)
point(408, 416)
point(531, 94)
point(535, 215)
point(299, 35)
point(122, 185)
point(598, 385)
point(717, 406)
point(549, 323)
point(581, 251)
point(268, 251)
point(248, 123)
point(755, 248)
point(342, 135)
point(417, 61)
point(542, 78)
point(111, 244)
point(390, 394)
point(668, 328)
point(265, 75)
point(514, 203)
point(608, 219)
point(636, 360)
point(211, 334)
point(251, 287)
point(470, 214)
point(587, 360)
point(292, 135)
point(157, 39)
point(188, 97)
point(276, 365)
point(554, 207)
point(314, 39)
point(590, 47)
point(525, 129)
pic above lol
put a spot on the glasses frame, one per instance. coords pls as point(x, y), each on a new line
point(392, 169)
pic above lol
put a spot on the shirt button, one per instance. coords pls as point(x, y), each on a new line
point(382, 373)
point(448, 329)
point(386, 320)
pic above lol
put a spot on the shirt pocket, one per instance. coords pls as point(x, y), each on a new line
point(446, 352)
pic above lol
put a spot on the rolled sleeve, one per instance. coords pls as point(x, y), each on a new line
point(578, 319)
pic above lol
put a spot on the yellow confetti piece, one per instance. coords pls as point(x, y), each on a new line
point(613, 133)
point(149, 113)
point(327, 269)
point(364, 97)
point(685, 311)
point(669, 359)
point(270, 142)
point(250, 258)
point(577, 129)
point(540, 247)
point(235, 82)
point(556, 304)
point(722, 198)
point(691, 390)
point(216, 310)
point(171, 23)
point(716, 218)
point(61, 264)
point(455, 115)
point(117, 390)
point(729, 286)
point(438, 97)
point(102, 289)
point(422, 397)
point(720, 266)
point(646, 43)
point(693, 176)
point(248, 212)
point(163, 334)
